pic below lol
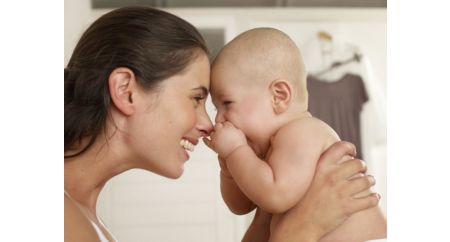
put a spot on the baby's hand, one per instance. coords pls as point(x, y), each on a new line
point(225, 139)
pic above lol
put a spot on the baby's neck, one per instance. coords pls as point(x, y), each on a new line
point(295, 115)
point(301, 114)
point(290, 115)
point(296, 110)
point(287, 118)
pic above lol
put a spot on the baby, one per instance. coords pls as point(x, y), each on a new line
point(267, 141)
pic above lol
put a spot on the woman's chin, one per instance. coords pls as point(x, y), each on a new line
point(171, 168)
point(176, 176)
point(175, 173)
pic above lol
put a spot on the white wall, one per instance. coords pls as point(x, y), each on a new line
point(76, 20)
point(140, 206)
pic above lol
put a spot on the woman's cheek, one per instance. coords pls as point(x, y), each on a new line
point(190, 118)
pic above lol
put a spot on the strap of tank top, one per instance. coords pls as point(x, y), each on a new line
point(100, 233)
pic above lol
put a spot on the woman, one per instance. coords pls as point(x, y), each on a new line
point(135, 92)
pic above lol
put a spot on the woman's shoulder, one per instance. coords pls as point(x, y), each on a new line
point(77, 226)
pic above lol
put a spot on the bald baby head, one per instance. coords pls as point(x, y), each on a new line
point(262, 55)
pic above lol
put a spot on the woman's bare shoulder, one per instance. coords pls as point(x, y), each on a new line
point(77, 226)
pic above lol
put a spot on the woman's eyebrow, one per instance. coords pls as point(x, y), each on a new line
point(203, 89)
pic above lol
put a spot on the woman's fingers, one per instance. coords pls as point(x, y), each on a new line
point(350, 168)
point(358, 204)
point(359, 184)
point(335, 153)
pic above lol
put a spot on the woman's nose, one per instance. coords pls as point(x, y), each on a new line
point(205, 125)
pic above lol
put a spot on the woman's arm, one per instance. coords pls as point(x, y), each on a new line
point(232, 195)
point(329, 200)
point(259, 229)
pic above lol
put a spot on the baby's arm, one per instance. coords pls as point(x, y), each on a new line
point(279, 183)
point(223, 142)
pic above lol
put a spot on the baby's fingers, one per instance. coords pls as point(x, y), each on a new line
point(228, 124)
point(208, 142)
point(218, 125)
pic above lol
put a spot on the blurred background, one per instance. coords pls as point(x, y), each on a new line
point(337, 39)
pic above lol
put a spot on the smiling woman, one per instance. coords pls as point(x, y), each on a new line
point(126, 109)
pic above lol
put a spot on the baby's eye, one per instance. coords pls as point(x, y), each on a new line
point(226, 103)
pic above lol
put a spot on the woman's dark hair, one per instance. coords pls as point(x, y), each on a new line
point(152, 43)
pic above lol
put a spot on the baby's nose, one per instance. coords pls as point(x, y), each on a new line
point(219, 118)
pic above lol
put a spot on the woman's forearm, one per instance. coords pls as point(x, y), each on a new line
point(233, 197)
point(295, 227)
point(259, 229)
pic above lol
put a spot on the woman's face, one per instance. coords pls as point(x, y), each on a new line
point(173, 121)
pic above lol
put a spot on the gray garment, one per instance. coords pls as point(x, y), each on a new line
point(339, 104)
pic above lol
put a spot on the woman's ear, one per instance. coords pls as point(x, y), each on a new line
point(281, 91)
point(122, 88)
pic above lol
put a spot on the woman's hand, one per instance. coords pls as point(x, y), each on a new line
point(330, 199)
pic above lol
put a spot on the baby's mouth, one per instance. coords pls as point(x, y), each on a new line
point(187, 145)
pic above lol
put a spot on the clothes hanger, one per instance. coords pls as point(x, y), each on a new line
point(356, 57)
point(324, 36)
point(327, 39)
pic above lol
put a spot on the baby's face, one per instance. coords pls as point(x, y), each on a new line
point(243, 102)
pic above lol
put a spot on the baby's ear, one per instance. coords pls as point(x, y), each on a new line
point(122, 84)
point(281, 91)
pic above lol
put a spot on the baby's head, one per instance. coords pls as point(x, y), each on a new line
point(258, 83)
point(265, 59)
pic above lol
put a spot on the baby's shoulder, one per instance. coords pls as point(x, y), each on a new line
point(306, 125)
point(307, 129)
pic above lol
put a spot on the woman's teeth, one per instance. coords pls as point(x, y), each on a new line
point(187, 145)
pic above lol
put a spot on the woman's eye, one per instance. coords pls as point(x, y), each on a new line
point(198, 99)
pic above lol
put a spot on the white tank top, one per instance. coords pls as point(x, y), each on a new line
point(100, 233)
